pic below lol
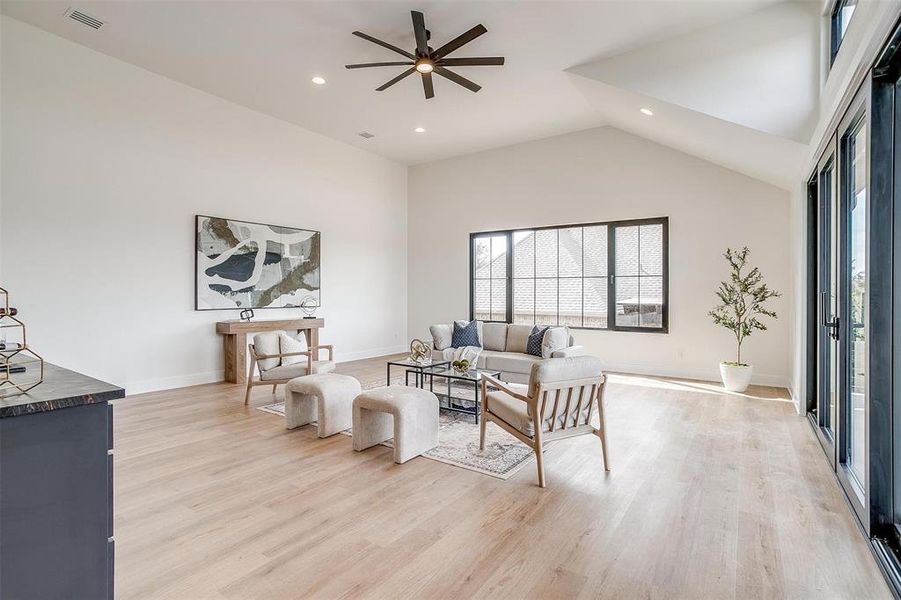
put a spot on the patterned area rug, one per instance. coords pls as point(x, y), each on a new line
point(458, 444)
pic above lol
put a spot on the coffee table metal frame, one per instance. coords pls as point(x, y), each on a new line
point(412, 367)
point(473, 376)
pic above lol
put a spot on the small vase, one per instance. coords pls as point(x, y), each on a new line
point(736, 378)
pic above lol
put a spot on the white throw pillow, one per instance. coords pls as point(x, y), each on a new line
point(266, 343)
point(442, 335)
point(289, 344)
point(555, 338)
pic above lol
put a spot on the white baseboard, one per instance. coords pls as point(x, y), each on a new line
point(699, 374)
point(371, 353)
point(179, 381)
point(169, 383)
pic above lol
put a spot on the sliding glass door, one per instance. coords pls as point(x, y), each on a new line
point(842, 337)
point(854, 302)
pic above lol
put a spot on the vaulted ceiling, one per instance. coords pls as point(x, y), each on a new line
point(734, 82)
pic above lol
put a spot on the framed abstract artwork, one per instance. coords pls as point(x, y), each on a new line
point(241, 264)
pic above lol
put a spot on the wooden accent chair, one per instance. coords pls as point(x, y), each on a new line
point(558, 402)
point(279, 363)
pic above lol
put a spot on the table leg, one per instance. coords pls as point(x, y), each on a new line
point(235, 351)
point(388, 374)
point(476, 408)
point(312, 336)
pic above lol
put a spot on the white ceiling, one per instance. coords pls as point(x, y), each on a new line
point(560, 75)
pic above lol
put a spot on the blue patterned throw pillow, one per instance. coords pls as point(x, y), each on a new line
point(533, 346)
point(466, 335)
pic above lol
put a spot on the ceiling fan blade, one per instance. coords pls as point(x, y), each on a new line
point(383, 44)
point(459, 41)
point(388, 84)
point(422, 39)
point(469, 85)
point(381, 64)
point(480, 61)
point(427, 85)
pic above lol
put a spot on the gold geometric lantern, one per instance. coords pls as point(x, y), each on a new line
point(20, 367)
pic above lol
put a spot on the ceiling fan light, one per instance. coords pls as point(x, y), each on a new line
point(424, 66)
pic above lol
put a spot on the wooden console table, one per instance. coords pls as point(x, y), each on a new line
point(235, 332)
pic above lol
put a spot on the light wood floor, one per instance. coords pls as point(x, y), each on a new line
point(711, 496)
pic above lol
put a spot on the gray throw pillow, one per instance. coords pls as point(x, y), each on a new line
point(555, 338)
point(441, 335)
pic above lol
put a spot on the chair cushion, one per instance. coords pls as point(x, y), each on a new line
point(510, 362)
point(267, 343)
point(555, 338)
point(296, 370)
point(286, 344)
point(511, 410)
point(536, 337)
point(495, 336)
point(442, 335)
point(466, 334)
point(518, 337)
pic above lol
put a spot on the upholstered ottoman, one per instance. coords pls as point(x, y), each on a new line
point(408, 414)
point(324, 397)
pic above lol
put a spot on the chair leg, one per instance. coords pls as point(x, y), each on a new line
point(539, 455)
point(602, 429)
point(247, 392)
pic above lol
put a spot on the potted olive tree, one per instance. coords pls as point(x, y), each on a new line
point(742, 303)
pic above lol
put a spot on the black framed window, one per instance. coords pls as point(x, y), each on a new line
point(610, 275)
point(841, 16)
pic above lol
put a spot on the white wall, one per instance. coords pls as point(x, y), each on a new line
point(104, 166)
point(597, 175)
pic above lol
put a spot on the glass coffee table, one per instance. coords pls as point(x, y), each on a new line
point(413, 367)
point(447, 400)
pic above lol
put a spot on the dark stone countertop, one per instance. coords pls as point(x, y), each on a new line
point(61, 388)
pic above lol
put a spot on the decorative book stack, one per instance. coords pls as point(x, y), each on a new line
point(20, 367)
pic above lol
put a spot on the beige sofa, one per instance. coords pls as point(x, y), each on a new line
point(503, 349)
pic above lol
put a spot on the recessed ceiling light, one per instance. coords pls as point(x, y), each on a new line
point(647, 111)
point(419, 130)
point(318, 80)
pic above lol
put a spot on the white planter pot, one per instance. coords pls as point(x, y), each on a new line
point(736, 378)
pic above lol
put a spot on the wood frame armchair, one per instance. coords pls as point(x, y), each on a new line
point(255, 357)
point(550, 409)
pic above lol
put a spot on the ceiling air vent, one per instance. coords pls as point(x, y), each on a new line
point(366, 135)
point(84, 18)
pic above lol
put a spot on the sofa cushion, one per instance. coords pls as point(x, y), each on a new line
point(442, 334)
point(555, 338)
point(518, 337)
point(536, 337)
point(510, 362)
point(495, 336)
point(466, 334)
point(267, 343)
point(479, 326)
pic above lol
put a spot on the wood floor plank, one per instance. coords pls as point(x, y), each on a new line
point(712, 495)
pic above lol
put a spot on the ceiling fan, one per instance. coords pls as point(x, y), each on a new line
point(425, 60)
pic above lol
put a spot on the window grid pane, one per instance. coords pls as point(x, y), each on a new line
point(559, 276)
